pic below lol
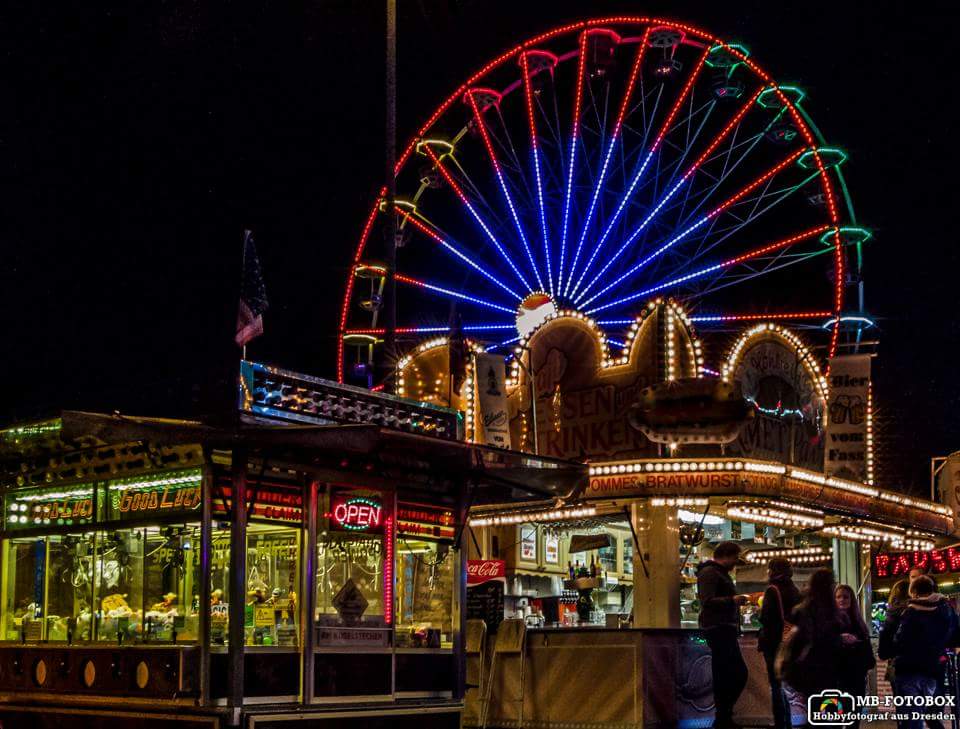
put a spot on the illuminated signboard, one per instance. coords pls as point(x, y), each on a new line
point(357, 513)
point(356, 510)
point(935, 561)
point(56, 505)
point(273, 501)
point(154, 494)
point(420, 520)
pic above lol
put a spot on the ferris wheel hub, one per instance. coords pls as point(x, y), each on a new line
point(535, 309)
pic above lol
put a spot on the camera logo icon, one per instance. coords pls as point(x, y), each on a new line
point(831, 708)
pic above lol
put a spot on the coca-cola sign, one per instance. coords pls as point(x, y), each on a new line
point(482, 570)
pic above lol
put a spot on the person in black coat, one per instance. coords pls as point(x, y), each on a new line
point(856, 659)
point(779, 600)
point(720, 621)
point(926, 628)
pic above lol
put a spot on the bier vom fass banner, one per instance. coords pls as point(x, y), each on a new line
point(845, 452)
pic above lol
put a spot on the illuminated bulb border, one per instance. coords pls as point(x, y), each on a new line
point(564, 514)
point(607, 360)
point(806, 357)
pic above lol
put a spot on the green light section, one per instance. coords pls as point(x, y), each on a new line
point(25, 433)
point(843, 183)
point(830, 156)
point(720, 57)
point(849, 234)
point(770, 99)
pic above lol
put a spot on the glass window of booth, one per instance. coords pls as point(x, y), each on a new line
point(425, 579)
point(69, 587)
point(147, 584)
point(354, 568)
point(271, 607)
point(23, 568)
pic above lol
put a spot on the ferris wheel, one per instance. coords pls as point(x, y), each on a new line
point(594, 168)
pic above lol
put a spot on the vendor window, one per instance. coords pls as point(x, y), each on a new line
point(69, 587)
point(425, 579)
point(147, 584)
point(23, 599)
point(354, 568)
point(271, 599)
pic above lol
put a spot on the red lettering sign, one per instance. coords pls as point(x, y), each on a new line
point(483, 570)
point(896, 564)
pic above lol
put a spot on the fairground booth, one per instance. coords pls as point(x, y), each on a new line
point(287, 566)
point(769, 452)
point(624, 243)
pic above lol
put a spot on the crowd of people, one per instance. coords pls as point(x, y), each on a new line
point(817, 640)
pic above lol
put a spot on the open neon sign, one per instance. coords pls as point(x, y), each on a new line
point(358, 514)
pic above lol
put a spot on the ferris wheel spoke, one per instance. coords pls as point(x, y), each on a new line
point(452, 294)
point(781, 263)
point(535, 147)
point(643, 166)
point(694, 226)
point(727, 232)
point(778, 196)
point(504, 343)
point(511, 148)
point(485, 135)
point(706, 270)
point(674, 187)
point(574, 137)
point(614, 135)
point(438, 163)
point(431, 232)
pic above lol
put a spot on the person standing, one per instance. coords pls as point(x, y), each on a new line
point(926, 628)
point(856, 659)
point(811, 661)
point(720, 621)
point(779, 600)
point(896, 604)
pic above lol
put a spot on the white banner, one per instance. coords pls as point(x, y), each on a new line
point(491, 384)
point(948, 485)
point(845, 454)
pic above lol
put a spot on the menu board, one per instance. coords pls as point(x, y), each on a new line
point(486, 582)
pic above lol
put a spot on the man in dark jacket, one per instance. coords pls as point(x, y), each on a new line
point(926, 629)
point(720, 621)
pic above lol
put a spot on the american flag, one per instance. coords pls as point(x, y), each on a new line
point(253, 295)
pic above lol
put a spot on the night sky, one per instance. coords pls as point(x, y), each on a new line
point(136, 144)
